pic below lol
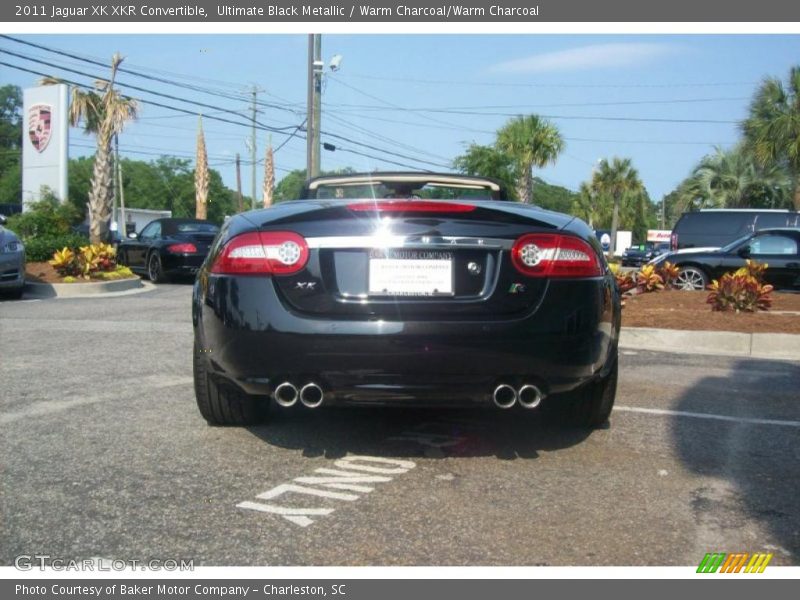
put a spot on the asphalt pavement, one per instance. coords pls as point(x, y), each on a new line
point(104, 454)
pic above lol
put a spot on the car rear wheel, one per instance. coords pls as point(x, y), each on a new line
point(691, 278)
point(588, 407)
point(594, 405)
point(155, 271)
point(222, 404)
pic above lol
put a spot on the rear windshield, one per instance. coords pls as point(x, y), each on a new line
point(197, 228)
point(391, 190)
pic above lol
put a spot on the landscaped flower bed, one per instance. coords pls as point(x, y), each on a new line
point(95, 262)
point(677, 309)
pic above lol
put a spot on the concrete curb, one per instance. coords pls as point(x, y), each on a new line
point(83, 290)
point(725, 343)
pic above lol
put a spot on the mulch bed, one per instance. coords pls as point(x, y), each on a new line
point(43, 272)
point(676, 309)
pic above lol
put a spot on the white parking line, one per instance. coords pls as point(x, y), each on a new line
point(693, 415)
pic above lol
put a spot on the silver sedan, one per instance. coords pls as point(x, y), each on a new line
point(12, 263)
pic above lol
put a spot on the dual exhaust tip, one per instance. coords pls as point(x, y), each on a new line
point(506, 396)
point(310, 395)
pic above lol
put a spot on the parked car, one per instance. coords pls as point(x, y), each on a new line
point(714, 228)
point(636, 256)
point(12, 262)
point(404, 288)
point(167, 248)
point(777, 247)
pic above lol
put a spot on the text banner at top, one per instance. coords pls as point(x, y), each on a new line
point(214, 11)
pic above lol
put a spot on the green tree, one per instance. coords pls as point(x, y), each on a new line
point(772, 130)
point(617, 180)
point(530, 141)
point(104, 113)
point(488, 161)
point(290, 186)
point(552, 197)
point(10, 131)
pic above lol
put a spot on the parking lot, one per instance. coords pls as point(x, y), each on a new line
point(104, 454)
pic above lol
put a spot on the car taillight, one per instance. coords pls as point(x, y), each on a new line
point(554, 255)
point(262, 253)
point(182, 248)
point(410, 206)
point(673, 241)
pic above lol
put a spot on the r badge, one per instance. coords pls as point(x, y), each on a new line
point(517, 288)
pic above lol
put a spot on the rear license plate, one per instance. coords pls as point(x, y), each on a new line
point(410, 277)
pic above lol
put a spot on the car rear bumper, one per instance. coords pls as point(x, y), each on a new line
point(182, 264)
point(252, 340)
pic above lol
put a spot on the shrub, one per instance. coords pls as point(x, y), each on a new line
point(625, 281)
point(648, 280)
point(668, 273)
point(40, 249)
point(753, 269)
point(47, 218)
point(739, 292)
point(119, 273)
point(65, 262)
point(88, 262)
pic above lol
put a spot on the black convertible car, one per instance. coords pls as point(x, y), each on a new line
point(404, 288)
point(167, 248)
point(777, 247)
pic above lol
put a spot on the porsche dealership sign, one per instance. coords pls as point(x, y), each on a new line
point(44, 149)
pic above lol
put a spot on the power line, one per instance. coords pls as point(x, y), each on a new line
point(140, 89)
point(135, 73)
point(221, 119)
point(551, 85)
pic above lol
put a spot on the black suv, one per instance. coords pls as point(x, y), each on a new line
point(713, 228)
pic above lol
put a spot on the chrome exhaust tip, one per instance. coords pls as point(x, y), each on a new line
point(529, 396)
point(504, 396)
point(286, 394)
point(311, 395)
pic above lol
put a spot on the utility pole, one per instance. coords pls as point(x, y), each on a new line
point(239, 183)
point(253, 149)
point(314, 114)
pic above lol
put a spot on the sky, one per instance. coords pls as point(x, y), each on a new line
point(664, 101)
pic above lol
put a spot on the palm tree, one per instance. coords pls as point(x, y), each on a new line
point(616, 180)
point(530, 141)
point(201, 175)
point(772, 131)
point(733, 180)
point(269, 175)
point(584, 206)
point(104, 113)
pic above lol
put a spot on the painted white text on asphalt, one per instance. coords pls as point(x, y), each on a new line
point(352, 475)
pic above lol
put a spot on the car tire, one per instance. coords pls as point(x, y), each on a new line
point(155, 270)
point(588, 407)
point(224, 404)
point(691, 278)
point(14, 294)
point(121, 258)
point(594, 406)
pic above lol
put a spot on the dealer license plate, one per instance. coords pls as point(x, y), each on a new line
point(410, 277)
